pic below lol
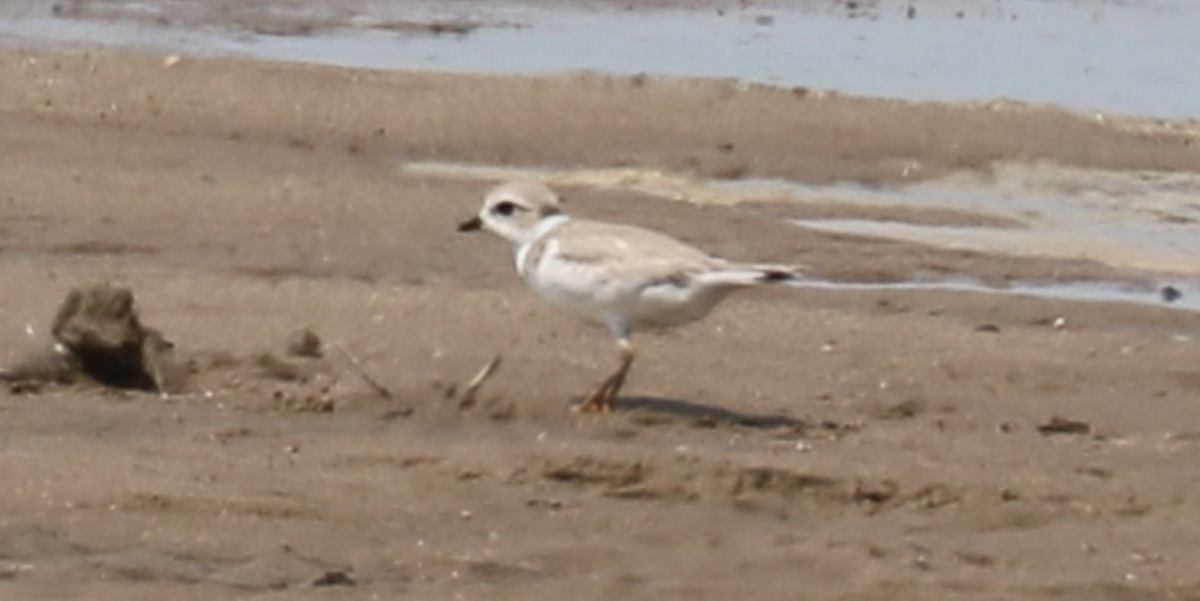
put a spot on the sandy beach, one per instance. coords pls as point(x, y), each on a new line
point(809, 443)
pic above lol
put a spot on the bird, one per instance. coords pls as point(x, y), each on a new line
point(622, 277)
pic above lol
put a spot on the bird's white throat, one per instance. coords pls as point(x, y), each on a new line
point(540, 229)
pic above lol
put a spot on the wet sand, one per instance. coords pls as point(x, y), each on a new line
point(823, 443)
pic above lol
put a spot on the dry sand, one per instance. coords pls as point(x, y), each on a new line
point(797, 444)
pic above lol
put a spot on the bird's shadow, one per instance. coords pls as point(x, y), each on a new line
point(703, 415)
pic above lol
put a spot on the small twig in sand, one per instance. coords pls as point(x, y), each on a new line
point(468, 395)
point(379, 389)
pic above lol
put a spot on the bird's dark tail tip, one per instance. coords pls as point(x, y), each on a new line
point(778, 274)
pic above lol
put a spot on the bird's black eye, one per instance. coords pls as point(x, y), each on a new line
point(505, 208)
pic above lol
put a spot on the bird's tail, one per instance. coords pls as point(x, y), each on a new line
point(753, 275)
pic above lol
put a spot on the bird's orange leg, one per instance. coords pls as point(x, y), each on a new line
point(601, 401)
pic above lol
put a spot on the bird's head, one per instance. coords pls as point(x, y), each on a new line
point(512, 210)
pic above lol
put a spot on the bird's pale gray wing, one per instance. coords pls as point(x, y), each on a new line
point(632, 253)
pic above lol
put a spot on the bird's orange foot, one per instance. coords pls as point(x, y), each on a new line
point(595, 404)
point(600, 401)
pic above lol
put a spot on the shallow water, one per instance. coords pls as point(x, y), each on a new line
point(1143, 220)
point(1132, 56)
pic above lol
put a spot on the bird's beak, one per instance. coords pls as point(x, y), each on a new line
point(473, 224)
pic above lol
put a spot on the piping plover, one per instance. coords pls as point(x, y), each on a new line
point(622, 277)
